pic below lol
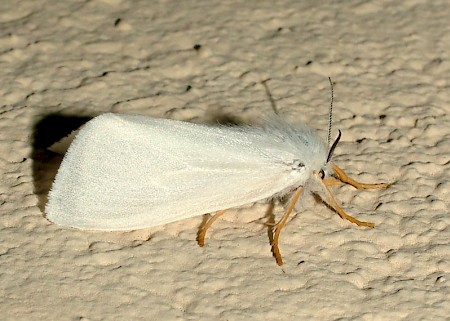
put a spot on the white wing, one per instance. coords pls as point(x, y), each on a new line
point(127, 172)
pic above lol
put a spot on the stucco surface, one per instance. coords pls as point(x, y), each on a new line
point(63, 62)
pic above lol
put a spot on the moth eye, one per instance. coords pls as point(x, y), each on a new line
point(322, 174)
point(297, 164)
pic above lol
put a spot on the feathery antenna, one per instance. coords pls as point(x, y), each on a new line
point(330, 113)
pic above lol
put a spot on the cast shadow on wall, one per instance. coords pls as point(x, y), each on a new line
point(46, 153)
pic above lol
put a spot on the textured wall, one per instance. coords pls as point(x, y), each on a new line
point(62, 62)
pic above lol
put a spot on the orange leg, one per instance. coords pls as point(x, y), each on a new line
point(341, 212)
point(280, 225)
point(345, 179)
point(331, 181)
point(202, 232)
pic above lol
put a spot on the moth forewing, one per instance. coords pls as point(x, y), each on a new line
point(127, 172)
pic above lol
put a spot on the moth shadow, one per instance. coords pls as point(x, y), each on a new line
point(220, 118)
point(47, 131)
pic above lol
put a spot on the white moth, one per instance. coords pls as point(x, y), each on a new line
point(125, 172)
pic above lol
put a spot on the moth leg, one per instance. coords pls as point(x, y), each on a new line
point(280, 225)
point(345, 179)
point(331, 181)
point(202, 232)
point(341, 212)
